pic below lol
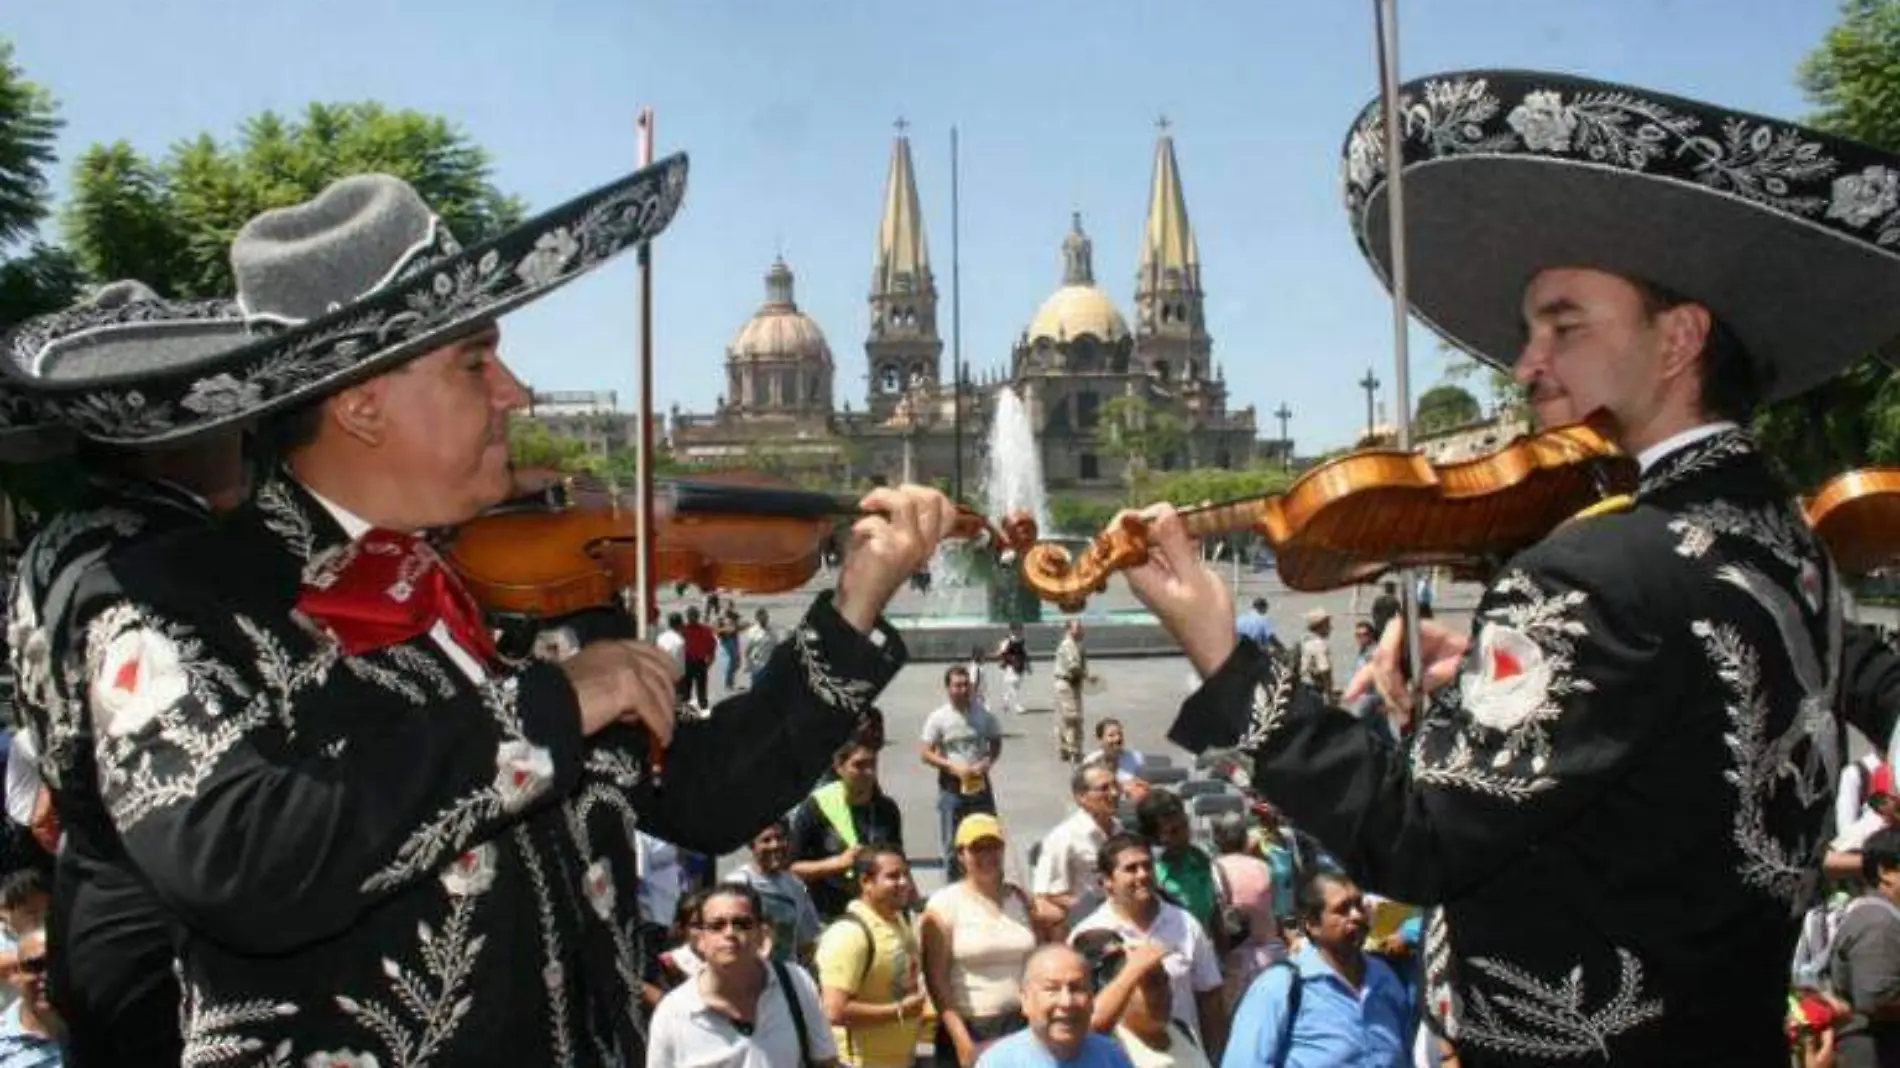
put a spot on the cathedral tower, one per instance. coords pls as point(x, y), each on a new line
point(903, 347)
point(1171, 329)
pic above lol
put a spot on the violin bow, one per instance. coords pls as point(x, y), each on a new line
point(645, 572)
point(1386, 24)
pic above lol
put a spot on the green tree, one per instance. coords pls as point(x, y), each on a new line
point(1080, 517)
point(1443, 407)
point(170, 222)
point(1141, 437)
point(34, 277)
point(532, 444)
point(1853, 79)
point(1500, 388)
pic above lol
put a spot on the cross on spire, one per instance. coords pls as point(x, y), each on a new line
point(902, 124)
point(1162, 124)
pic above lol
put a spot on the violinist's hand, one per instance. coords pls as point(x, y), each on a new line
point(888, 547)
point(1190, 600)
point(624, 680)
point(1441, 651)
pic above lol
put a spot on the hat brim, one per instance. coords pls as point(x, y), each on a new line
point(430, 304)
point(1782, 232)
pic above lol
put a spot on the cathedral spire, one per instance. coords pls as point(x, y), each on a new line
point(1170, 257)
point(903, 259)
point(902, 346)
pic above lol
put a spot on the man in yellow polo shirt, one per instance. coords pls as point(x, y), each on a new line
point(870, 971)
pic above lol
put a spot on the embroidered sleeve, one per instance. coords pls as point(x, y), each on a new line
point(266, 841)
point(1555, 696)
point(759, 752)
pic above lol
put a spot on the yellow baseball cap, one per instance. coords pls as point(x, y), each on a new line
point(976, 827)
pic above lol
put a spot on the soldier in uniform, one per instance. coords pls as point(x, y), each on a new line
point(110, 943)
point(385, 845)
point(1617, 794)
point(1071, 672)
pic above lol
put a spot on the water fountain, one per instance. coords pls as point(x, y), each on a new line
point(948, 626)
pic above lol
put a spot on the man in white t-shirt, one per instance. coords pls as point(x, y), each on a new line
point(737, 1012)
point(1068, 865)
point(962, 741)
point(1138, 914)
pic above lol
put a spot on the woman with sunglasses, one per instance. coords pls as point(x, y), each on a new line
point(741, 1010)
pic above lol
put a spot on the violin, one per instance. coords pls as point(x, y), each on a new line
point(1354, 518)
point(572, 545)
point(1856, 514)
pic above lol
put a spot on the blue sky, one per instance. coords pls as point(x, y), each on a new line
point(787, 110)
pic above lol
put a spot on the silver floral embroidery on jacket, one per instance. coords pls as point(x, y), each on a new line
point(523, 772)
point(1695, 459)
point(157, 750)
point(1536, 1017)
point(430, 1002)
point(1698, 526)
point(214, 1031)
point(847, 695)
point(1509, 761)
point(1271, 700)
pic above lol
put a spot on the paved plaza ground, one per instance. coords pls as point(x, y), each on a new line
point(1144, 693)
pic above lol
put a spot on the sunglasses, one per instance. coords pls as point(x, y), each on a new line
point(32, 965)
point(735, 924)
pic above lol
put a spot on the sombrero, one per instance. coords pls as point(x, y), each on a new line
point(349, 284)
point(123, 329)
point(1789, 235)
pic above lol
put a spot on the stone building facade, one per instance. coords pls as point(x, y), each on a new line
point(1077, 355)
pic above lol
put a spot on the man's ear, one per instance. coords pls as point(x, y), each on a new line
point(359, 412)
point(1686, 329)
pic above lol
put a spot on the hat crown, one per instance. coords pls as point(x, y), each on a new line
point(119, 294)
point(359, 235)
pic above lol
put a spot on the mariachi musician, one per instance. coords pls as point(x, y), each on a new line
point(1619, 787)
point(110, 943)
point(383, 844)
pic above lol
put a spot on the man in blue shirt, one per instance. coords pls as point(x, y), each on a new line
point(1058, 999)
point(1256, 627)
point(1351, 1010)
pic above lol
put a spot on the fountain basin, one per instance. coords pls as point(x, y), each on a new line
point(1106, 635)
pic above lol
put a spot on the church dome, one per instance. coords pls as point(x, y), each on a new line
point(779, 331)
point(1075, 310)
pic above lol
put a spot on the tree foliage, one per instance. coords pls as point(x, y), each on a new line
point(170, 222)
point(1445, 406)
point(1853, 79)
point(34, 277)
point(1140, 436)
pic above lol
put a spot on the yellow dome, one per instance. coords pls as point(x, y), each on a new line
point(1075, 310)
point(780, 333)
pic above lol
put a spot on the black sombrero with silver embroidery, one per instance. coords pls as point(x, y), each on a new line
point(1790, 235)
point(122, 330)
point(351, 283)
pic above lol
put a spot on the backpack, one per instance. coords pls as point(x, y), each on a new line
point(1814, 948)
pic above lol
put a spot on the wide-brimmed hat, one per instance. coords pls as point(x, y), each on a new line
point(1790, 236)
point(122, 331)
point(353, 282)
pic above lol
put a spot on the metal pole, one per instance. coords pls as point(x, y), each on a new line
point(643, 460)
point(1386, 19)
point(956, 325)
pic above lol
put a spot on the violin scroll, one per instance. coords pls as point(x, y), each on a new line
point(1067, 581)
